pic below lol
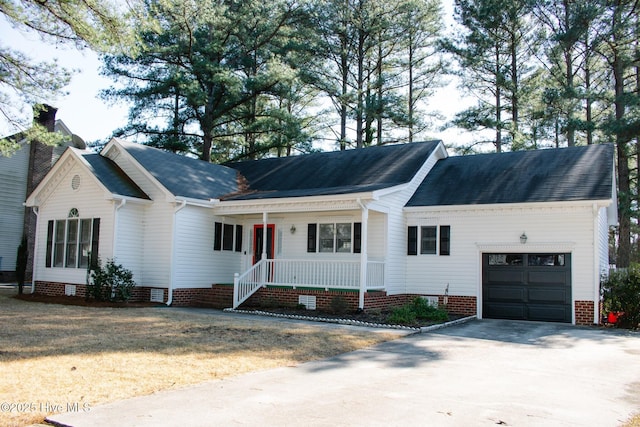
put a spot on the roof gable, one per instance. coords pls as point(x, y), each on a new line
point(566, 174)
point(112, 177)
point(184, 176)
point(329, 173)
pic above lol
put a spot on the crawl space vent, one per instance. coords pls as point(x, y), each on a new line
point(432, 301)
point(157, 295)
point(309, 301)
point(70, 290)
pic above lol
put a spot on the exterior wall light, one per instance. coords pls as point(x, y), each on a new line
point(523, 238)
point(293, 229)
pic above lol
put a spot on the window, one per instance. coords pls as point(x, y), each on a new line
point(428, 240)
point(72, 242)
point(227, 237)
point(343, 237)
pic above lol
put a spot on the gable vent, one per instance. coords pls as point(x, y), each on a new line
point(309, 301)
point(75, 182)
point(157, 295)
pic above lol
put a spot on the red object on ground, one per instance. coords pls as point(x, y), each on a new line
point(612, 317)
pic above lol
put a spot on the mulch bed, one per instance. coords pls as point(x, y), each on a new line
point(367, 316)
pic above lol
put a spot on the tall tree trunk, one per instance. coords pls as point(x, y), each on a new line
point(498, 103)
point(411, 106)
point(360, 89)
point(624, 177)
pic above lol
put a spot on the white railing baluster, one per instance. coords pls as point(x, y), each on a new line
point(333, 274)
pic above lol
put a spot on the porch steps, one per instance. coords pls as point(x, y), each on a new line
point(219, 296)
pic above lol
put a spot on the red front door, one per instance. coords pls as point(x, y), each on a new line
point(258, 236)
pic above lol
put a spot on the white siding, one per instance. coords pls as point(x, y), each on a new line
point(158, 241)
point(13, 176)
point(473, 231)
point(90, 201)
point(129, 239)
point(603, 229)
point(197, 264)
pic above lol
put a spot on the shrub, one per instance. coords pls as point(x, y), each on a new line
point(418, 309)
point(621, 293)
point(402, 315)
point(22, 257)
point(339, 305)
point(112, 282)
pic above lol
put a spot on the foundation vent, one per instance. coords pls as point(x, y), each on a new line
point(70, 290)
point(309, 301)
point(157, 295)
point(432, 301)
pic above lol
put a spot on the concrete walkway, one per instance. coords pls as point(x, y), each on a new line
point(482, 373)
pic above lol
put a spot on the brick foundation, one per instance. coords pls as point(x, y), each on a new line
point(273, 296)
point(139, 294)
point(584, 312)
point(221, 296)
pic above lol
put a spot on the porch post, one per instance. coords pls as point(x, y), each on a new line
point(265, 219)
point(263, 258)
point(363, 255)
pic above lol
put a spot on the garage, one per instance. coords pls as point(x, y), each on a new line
point(527, 286)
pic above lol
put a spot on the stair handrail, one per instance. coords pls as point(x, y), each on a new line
point(242, 288)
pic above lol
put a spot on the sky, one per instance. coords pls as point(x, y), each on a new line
point(92, 118)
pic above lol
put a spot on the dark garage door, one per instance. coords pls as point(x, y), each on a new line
point(526, 286)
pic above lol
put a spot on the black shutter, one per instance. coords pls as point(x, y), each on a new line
point(445, 240)
point(47, 261)
point(238, 238)
point(217, 238)
point(95, 239)
point(311, 237)
point(412, 240)
point(357, 237)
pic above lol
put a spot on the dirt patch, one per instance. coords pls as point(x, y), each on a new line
point(56, 356)
point(83, 302)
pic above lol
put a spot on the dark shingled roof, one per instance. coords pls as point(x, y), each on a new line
point(330, 173)
point(566, 174)
point(185, 176)
point(112, 177)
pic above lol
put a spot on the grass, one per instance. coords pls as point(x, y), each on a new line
point(633, 422)
point(54, 355)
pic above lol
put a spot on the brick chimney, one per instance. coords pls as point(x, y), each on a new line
point(40, 162)
point(45, 115)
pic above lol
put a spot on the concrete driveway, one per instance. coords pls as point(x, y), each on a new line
point(483, 373)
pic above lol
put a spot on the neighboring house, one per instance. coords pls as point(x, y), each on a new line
point(20, 173)
point(520, 235)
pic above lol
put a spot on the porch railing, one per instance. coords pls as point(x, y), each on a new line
point(332, 274)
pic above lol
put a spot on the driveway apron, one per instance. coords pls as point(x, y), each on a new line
point(482, 373)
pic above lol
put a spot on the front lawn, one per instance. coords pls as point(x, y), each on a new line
point(55, 358)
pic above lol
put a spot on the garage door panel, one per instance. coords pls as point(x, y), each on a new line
point(506, 311)
point(506, 293)
point(505, 276)
point(537, 288)
point(549, 313)
point(552, 296)
point(547, 277)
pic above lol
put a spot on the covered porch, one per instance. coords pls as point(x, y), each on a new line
point(314, 274)
point(284, 257)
